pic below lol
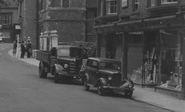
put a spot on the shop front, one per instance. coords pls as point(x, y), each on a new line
point(152, 52)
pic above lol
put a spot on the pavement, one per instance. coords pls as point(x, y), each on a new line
point(147, 95)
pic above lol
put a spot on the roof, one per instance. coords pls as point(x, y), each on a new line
point(104, 59)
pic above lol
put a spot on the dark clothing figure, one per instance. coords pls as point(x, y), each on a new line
point(23, 49)
point(29, 49)
point(14, 48)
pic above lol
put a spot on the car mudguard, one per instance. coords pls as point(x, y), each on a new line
point(87, 76)
point(59, 68)
point(103, 80)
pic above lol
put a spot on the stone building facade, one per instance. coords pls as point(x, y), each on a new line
point(65, 16)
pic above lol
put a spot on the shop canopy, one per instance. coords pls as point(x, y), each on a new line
point(157, 23)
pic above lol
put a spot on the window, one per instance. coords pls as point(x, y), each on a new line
point(168, 1)
point(152, 3)
point(136, 5)
point(124, 3)
point(65, 3)
point(94, 64)
point(6, 19)
point(111, 6)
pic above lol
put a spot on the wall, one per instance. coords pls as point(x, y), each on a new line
point(29, 21)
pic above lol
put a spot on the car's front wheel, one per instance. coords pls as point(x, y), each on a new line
point(86, 87)
point(42, 73)
point(101, 90)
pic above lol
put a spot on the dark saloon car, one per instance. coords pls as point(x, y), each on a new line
point(105, 74)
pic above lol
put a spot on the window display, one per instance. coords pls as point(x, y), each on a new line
point(171, 60)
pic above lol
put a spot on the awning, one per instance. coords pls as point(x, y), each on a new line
point(164, 22)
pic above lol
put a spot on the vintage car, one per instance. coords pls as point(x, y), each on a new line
point(105, 74)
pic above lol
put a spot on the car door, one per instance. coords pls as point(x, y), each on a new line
point(94, 72)
point(88, 71)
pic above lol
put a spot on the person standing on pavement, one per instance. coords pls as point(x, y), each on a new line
point(18, 50)
point(14, 47)
point(29, 49)
point(23, 49)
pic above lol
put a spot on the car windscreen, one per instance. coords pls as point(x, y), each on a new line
point(76, 52)
point(110, 65)
point(63, 52)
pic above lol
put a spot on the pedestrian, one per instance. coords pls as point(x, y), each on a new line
point(23, 49)
point(14, 47)
point(18, 49)
point(29, 49)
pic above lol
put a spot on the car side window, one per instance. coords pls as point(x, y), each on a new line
point(95, 64)
point(89, 63)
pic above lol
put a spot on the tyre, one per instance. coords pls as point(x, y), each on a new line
point(86, 87)
point(56, 77)
point(101, 90)
point(42, 73)
point(128, 94)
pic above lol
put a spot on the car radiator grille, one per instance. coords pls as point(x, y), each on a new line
point(74, 68)
point(116, 80)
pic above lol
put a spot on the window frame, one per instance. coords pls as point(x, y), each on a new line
point(136, 3)
point(62, 3)
point(124, 3)
point(113, 7)
point(6, 19)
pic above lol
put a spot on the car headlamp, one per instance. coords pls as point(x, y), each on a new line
point(109, 77)
point(130, 85)
point(65, 65)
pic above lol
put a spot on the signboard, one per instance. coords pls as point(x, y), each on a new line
point(17, 27)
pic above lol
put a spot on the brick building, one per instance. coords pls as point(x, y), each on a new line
point(9, 18)
point(147, 36)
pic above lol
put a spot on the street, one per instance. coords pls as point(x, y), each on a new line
point(21, 90)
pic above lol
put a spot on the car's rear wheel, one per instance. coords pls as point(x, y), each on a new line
point(86, 87)
point(128, 94)
point(42, 73)
point(101, 90)
point(56, 77)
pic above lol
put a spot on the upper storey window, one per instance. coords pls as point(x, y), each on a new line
point(65, 3)
point(168, 1)
point(136, 5)
point(111, 6)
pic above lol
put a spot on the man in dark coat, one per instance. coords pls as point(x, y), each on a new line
point(29, 49)
point(23, 49)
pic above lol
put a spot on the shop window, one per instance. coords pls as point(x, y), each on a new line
point(168, 1)
point(171, 60)
point(136, 5)
point(111, 6)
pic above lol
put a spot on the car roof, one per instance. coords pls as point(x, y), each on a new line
point(104, 59)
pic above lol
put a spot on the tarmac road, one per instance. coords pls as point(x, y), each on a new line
point(21, 90)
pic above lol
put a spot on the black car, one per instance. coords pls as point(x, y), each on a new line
point(105, 74)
